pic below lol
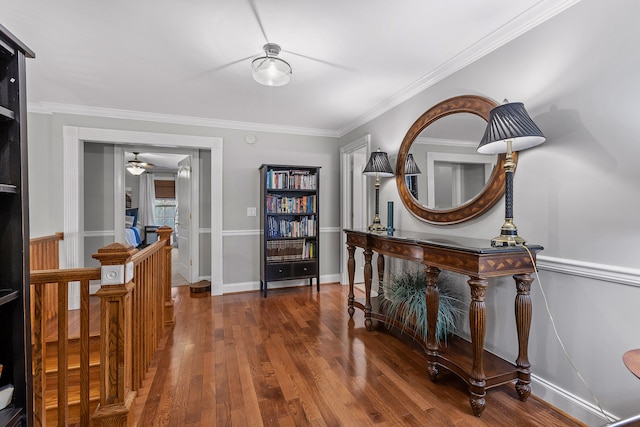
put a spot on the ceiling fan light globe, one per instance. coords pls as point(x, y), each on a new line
point(135, 170)
point(271, 71)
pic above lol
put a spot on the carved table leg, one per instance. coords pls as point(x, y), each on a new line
point(523, 324)
point(380, 276)
point(351, 269)
point(433, 301)
point(477, 318)
point(367, 288)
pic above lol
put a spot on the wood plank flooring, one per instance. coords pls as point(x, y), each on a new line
point(295, 359)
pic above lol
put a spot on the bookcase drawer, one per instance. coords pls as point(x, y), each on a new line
point(278, 271)
point(305, 268)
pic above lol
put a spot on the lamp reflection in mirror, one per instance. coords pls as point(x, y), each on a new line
point(135, 170)
point(411, 171)
point(509, 129)
point(378, 166)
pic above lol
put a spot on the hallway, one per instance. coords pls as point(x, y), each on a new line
point(295, 359)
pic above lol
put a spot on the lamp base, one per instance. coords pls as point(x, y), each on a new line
point(376, 226)
point(507, 240)
point(508, 235)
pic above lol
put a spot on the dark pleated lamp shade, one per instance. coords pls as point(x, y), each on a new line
point(410, 166)
point(378, 164)
point(510, 121)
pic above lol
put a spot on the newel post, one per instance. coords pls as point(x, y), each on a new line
point(165, 235)
point(116, 396)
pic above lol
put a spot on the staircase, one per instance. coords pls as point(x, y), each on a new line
point(100, 374)
point(73, 379)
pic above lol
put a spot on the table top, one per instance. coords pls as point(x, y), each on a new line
point(459, 243)
point(632, 361)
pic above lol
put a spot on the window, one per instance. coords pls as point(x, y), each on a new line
point(165, 206)
point(165, 189)
point(165, 212)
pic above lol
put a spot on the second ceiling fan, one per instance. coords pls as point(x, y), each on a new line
point(136, 166)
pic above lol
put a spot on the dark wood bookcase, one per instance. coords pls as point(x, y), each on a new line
point(15, 329)
point(289, 210)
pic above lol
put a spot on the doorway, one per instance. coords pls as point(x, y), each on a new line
point(73, 169)
point(354, 215)
point(163, 194)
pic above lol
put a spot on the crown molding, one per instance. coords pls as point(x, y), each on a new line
point(81, 110)
point(524, 22)
point(529, 19)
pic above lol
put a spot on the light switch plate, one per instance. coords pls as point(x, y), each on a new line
point(251, 211)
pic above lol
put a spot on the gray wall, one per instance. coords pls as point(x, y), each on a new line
point(99, 196)
point(578, 195)
point(240, 187)
point(242, 190)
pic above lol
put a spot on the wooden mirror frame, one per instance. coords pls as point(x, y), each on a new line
point(491, 193)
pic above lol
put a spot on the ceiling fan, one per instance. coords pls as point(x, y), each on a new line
point(268, 68)
point(137, 167)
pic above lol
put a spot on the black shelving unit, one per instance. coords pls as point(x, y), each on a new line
point(15, 330)
point(289, 210)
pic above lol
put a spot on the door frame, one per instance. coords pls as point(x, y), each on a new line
point(346, 196)
point(73, 169)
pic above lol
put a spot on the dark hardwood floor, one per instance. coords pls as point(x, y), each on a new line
point(295, 359)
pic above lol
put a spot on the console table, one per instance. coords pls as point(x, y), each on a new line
point(476, 259)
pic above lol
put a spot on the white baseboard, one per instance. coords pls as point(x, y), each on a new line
point(255, 286)
point(571, 404)
point(94, 286)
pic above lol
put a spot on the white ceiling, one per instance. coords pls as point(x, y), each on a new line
point(189, 61)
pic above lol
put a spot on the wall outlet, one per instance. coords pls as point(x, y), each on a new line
point(251, 211)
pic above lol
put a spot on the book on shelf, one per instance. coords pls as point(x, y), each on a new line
point(290, 250)
point(299, 227)
point(276, 203)
point(291, 180)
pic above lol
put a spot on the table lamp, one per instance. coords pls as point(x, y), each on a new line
point(410, 166)
point(411, 171)
point(378, 166)
point(509, 129)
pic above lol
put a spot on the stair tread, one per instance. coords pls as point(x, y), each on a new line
point(51, 398)
point(53, 340)
point(72, 362)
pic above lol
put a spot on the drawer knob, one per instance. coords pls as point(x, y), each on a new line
point(305, 269)
point(280, 271)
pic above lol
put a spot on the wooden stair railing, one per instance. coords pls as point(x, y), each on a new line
point(61, 279)
point(149, 313)
point(44, 254)
point(132, 306)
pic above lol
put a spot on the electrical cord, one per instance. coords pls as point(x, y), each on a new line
point(555, 330)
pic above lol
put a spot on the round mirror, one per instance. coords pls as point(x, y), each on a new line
point(441, 177)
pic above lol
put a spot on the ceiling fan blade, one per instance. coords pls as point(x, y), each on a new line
point(331, 64)
point(207, 72)
point(254, 8)
point(140, 164)
point(137, 162)
point(229, 64)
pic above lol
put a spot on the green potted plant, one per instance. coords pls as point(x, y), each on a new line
point(404, 300)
